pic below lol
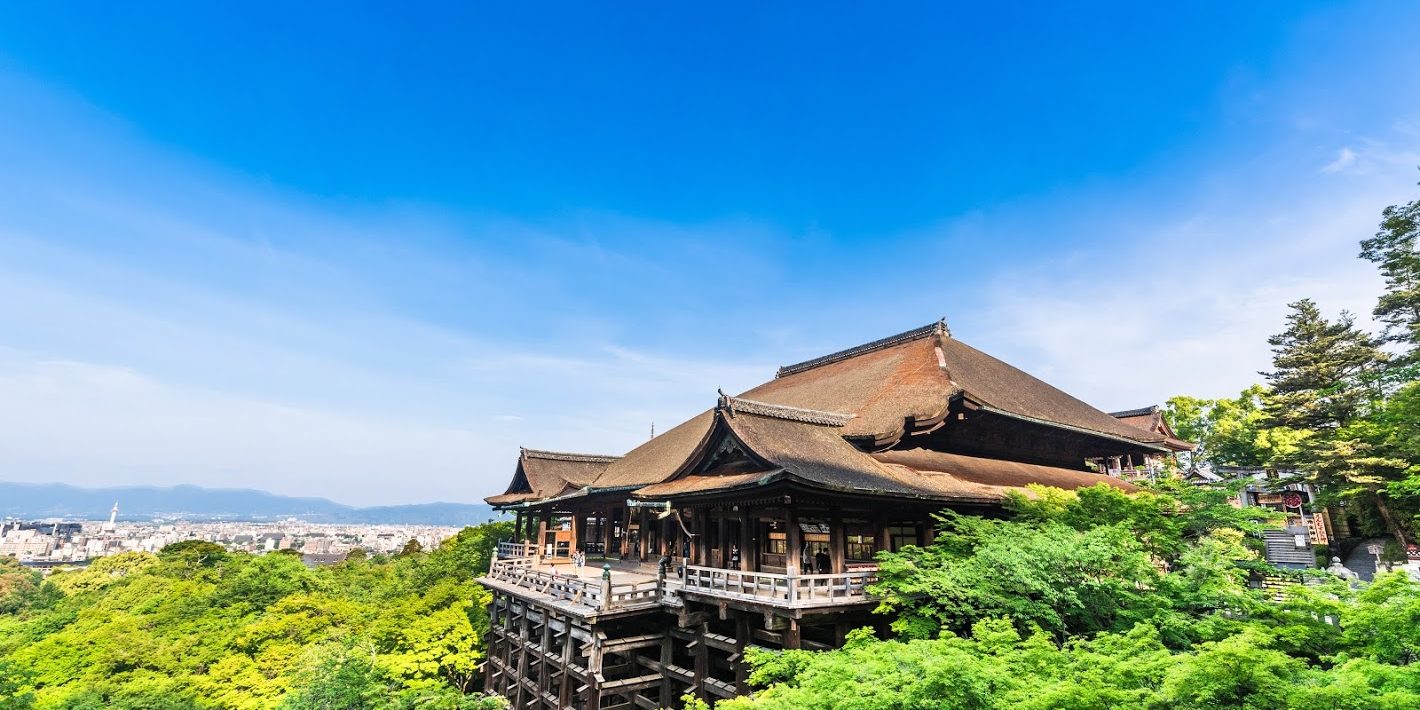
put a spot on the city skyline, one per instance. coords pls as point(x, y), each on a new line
point(367, 257)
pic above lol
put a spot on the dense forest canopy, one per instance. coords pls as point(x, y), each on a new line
point(198, 627)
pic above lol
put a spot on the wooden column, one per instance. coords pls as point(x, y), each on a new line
point(625, 532)
point(541, 535)
point(645, 535)
point(792, 540)
point(741, 640)
point(721, 544)
point(701, 542)
point(837, 544)
point(565, 687)
point(791, 635)
point(667, 684)
point(884, 541)
point(606, 532)
point(746, 540)
point(579, 528)
point(702, 662)
point(518, 526)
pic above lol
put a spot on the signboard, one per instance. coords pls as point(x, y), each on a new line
point(1318, 524)
point(1292, 499)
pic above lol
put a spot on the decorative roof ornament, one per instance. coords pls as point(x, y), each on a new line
point(780, 411)
point(726, 401)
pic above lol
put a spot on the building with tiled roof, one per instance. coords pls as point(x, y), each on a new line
point(774, 503)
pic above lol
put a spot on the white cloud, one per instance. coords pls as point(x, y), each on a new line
point(1345, 158)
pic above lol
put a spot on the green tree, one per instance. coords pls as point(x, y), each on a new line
point(19, 587)
point(1325, 380)
point(15, 682)
point(1395, 251)
point(1231, 431)
point(1321, 370)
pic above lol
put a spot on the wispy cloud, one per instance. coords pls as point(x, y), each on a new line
point(1345, 158)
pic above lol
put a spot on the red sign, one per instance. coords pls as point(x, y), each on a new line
point(1292, 499)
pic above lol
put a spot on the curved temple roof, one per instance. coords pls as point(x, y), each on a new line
point(547, 474)
point(816, 421)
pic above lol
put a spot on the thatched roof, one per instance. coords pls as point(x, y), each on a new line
point(1151, 419)
point(547, 474)
point(818, 421)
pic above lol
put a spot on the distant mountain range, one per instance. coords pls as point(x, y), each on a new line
point(55, 500)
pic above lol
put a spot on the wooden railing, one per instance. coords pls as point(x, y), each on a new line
point(801, 590)
point(515, 549)
point(596, 593)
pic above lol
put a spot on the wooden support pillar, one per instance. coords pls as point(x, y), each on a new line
point(518, 526)
point(543, 678)
point(792, 540)
point(540, 541)
point(746, 540)
point(741, 640)
point(564, 690)
point(594, 672)
point(522, 672)
point(606, 532)
point(701, 542)
point(721, 544)
point(884, 541)
point(702, 662)
point(493, 642)
point(667, 685)
point(625, 532)
point(579, 529)
point(837, 544)
point(645, 535)
point(792, 638)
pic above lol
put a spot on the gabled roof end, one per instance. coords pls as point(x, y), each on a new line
point(938, 328)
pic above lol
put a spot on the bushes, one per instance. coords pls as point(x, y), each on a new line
point(1099, 600)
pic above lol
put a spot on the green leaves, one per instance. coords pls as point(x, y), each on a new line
point(195, 626)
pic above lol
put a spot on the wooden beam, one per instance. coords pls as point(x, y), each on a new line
point(622, 645)
point(627, 685)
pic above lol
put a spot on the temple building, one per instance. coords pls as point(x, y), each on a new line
point(1152, 465)
point(757, 521)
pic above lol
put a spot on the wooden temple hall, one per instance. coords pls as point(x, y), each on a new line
point(757, 521)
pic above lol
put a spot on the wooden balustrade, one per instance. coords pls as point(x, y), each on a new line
point(508, 549)
point(596, 593)
point(802, 590)
point(805, 590)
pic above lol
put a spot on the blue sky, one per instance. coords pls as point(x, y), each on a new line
point(354, 251)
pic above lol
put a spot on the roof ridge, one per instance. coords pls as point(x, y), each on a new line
point(1151, 409)
point(736, 405)
point(564, 456)
point(940, 327)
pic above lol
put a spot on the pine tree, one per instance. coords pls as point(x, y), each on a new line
point(1396, 250)
point(1323, 370)
point(1324, 382)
